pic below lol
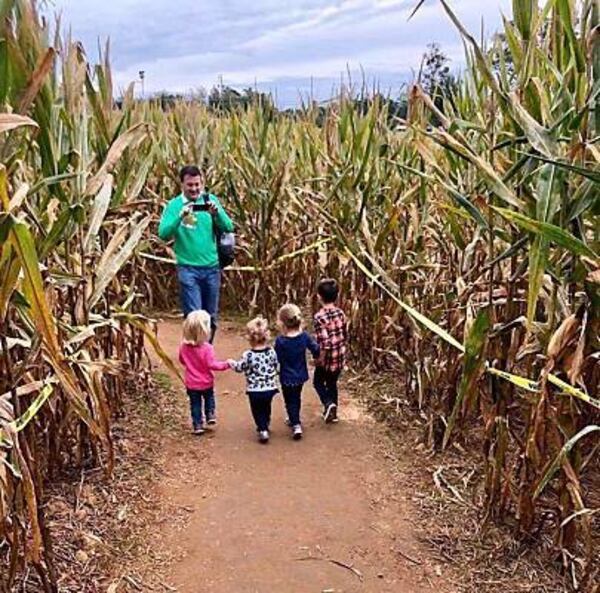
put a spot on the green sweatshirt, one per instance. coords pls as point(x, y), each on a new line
point(195, 243)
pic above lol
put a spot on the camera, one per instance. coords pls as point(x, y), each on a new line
point(202, 207)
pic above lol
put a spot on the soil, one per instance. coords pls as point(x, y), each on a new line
point(311, 516)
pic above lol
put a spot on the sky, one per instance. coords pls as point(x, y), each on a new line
point(293, 48)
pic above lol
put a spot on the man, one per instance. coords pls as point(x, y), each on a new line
point(192, 219)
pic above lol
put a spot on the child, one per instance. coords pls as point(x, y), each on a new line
point(291, 349)
point(198, 358)
point(331, 333)
point(260, 367)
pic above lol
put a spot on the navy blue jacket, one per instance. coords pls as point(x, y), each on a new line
point(291, 353)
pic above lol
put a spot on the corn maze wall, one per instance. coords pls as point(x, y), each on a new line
point(465, 241)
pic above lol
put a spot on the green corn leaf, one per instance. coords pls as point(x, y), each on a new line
point(35, 406)
point(473, 366)
point(109, 267)
point(548, 232)
point(98, 212)
point(538, 258)
point(577, 51)
point(524, 12)
point(561, 457)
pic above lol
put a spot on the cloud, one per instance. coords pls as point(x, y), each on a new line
point(188, 44)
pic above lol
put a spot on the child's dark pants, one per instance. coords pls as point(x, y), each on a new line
point(197, 398)
point(260, 404)
point(292, 394)
point(325, 383)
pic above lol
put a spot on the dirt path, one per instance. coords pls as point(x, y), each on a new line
point(257, 514)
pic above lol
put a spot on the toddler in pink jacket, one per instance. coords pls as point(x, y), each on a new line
point(197, 355)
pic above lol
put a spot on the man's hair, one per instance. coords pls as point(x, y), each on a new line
point(189, 171)
point(328, 290)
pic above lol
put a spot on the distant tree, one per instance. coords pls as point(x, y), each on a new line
point(228, 99)
point(396, 108)
point(167, 99)
point(436, 78)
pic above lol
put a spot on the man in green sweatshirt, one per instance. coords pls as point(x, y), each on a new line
point(191, 219)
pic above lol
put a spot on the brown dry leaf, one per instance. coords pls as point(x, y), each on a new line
point(10, 121)
point(129, 138)
point(122, 513)
point(19, 197)
point(52, 210)
point(594, 277)
point(37, 80)
point(575, 364)
point(81, 514)
point(562, 336)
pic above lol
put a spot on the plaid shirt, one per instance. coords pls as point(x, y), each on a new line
point(331, 334)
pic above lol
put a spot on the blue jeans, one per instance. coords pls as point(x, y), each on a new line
point(325, 383)
point(292, 395)
point(199, 289)
point(197, 398)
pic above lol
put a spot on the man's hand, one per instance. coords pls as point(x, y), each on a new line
point(212, 208)
point(186, 210)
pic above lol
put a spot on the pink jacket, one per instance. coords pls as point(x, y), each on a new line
point(199, 362)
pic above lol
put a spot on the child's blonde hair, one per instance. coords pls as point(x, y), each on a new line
point(290, 316)
point(196, 328)
point(258, 331)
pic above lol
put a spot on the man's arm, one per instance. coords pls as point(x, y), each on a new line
point(222, 220)
point(169, 221)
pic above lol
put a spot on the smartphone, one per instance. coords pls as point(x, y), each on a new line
point(201, 207)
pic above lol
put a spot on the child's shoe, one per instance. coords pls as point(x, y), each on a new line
point(263, 436)
point(297, 432)
point(212, 420)
point(198, 429)
point(330, 413)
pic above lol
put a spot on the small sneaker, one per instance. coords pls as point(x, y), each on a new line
point(330, 413)
point(263, 436)
point(297, 432)
point(334, 415)
point(198, 429)
point(212, 421)
point(287, 422)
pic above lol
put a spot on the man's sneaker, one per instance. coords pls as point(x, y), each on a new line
point(198, 429)
point(212, 421)
point(330, 413)
point(263, 436)
point(297, 432)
